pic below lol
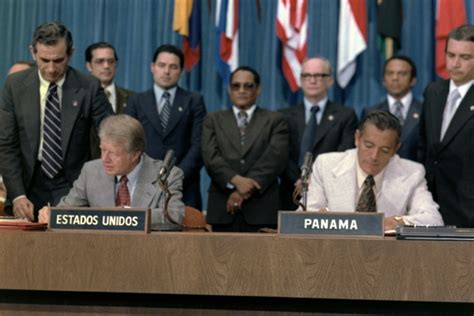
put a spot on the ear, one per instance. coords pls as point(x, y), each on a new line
point(33, 52)
point(259, 89)
point(357, 138)
point(330, 81)
point(89, 66)
point(413, 82)
point(152, 65)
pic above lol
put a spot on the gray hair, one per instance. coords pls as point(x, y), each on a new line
point(123, 129)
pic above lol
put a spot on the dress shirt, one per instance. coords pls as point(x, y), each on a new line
point(307, 109)
point(159, 96)
point(249, 112)
point(112, 95)
point(462, 89)
point(406, 101)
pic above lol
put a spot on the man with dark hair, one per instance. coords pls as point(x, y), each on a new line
point(447, 132)
point(399, 77)
point(317, 125)
point(46, 113)
point(101, 61)
point(373, 178)
point(124, 167)
point(244, 150)
point(172, 118)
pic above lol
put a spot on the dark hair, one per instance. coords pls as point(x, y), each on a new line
point(405, 59)
point(463, 33)
point(383, 120)
point(256, 76)
point(168, 48)
point(92, 47)
point(50, 33)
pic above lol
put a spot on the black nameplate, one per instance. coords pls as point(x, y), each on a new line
point(330, 223)
point(100, 219)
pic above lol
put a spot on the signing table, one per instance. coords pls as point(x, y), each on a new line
point(186, 271)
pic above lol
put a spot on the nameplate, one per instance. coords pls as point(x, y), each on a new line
point(330, 223)
point(132, 220)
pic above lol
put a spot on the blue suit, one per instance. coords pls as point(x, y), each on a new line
point(182, 134)
point(410, 129)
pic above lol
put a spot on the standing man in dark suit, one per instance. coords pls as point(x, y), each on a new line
point(172, 118)
point(101, 61)
point(46, 113)
point(332, 129)
point(244, 150)
point(447, 132)
point(399, 76)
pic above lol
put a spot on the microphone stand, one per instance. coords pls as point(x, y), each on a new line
point(304, 193)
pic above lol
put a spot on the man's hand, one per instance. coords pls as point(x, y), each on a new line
point(245, 186)
point(234, 202)
point(390, 223)
point(44, 214)
point(22, 207)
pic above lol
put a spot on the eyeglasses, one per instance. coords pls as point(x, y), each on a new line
point(247, 86)
point(308, 76)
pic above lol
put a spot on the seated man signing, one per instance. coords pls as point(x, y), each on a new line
point(372, 178)
point(123, 163)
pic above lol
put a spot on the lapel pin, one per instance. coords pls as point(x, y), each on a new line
point(331, 118)
point(416, 115)
point(471, 108)
point(180, 109)
point(75, 103)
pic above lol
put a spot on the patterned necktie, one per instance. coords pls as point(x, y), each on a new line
point(366, 201)
point(309, 134)
point(166, 110)
point(123, 196)
point(52, 153)
point(449, 111)
point(243, 122)
point(398, 111)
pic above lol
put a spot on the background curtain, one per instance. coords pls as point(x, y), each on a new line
point(137, 27)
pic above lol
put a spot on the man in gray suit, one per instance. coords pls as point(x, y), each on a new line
point(122, 143)
point(46, 113)
point(244, 150)
point(397, 185)
point(399, 76)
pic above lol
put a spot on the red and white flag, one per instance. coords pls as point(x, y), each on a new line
point(291, 29)
point(450, 14)
point(352, 38)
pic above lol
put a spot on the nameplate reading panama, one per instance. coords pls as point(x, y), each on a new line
point(100, 219)
point(330, 223)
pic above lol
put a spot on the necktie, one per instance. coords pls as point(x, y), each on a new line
point(123, 196)
point(243, 122)
point(449, 111)
point(398, 111)
point(52, 152)
point(309, 133)
point(166, 110)
point(366, 201)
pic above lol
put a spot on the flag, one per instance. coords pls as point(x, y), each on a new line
point(352, 38)
point(450, 14)
point(291, 29)
point(227, 37)
point(389, 25)
point(187, 22)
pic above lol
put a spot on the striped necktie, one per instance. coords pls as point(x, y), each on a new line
point(52, 161)
point(398, 111)
point(166, 110)
point(309, 133)
point(123, 195)
point(366, 201)
point(243, 122)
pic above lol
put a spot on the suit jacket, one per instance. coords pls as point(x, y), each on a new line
point(410, 129)
point(403, 192)
point(335, 133)
point(183, 135)
point(449, 163)
point(83, 105)
point(262, 158)
point(94, 188)
point(121, 99)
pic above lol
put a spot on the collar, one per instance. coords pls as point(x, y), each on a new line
point(249, 111)
point(132, 176)
point(46, 84)
point(462, 89)
point(361, 175)
point(322, 104)
point(159, 92)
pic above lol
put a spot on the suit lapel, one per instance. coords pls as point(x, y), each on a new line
point(71, 103)
point(180, 104)
point(30, 103)
point(464, 113)
point(145, 190)
point(300, 121)
point(412, 119)
point(121, 101)
point(230, 129)
point(344, 184)
point(150, 109)
point(393, 189)
point(327, 122)
point(254, 128)
point(438, 103)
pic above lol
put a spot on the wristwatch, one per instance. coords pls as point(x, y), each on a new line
point(399, 219)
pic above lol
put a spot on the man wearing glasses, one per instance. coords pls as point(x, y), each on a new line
point(316, 125)
point(244, 150)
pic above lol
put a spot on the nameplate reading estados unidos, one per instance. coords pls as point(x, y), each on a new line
point(330, 223)
point(100, 219)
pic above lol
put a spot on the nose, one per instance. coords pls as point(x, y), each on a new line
point(374, 154)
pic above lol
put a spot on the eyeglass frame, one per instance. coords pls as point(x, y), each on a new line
point(316, 76)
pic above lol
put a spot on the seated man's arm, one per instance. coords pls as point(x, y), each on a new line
point(316, 195)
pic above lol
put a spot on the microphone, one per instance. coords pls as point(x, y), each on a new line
point(167, 165)
point(306, 167)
